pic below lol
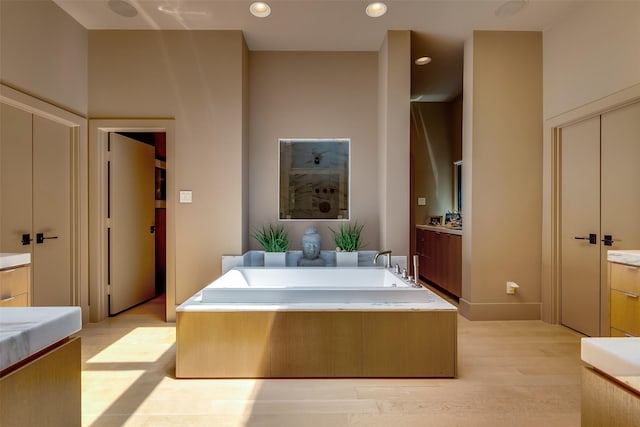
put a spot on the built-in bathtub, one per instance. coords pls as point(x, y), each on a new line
point(315, 322)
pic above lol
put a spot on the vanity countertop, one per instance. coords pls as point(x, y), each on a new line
point(616, 357)
point(25, 331)
point(440, 229)
point(625, 257)
point(10, 260)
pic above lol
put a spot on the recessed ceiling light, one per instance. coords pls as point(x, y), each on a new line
point(260, 9)
point(510, 8)
point(423, 60)
point(376, 10)
point(122, 8)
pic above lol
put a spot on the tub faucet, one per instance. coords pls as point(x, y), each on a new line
point(387, 263)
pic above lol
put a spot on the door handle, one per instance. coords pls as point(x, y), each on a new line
point(26, 239)
point(593, 238)
point(40, 237)
point(608, 240)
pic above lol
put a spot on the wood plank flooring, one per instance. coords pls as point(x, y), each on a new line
point(516, 373)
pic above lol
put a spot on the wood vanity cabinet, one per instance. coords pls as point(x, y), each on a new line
point(440, 259)
point(14, 286)
point(624, 287)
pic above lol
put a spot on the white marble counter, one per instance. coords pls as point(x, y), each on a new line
point(617, 357)
point(625, 257)
point(10, 260)
point(441, 229)
point(26, 330)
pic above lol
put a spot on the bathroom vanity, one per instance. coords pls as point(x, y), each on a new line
point(40, 365)
point(610, 382)
point(439, 250)
point(611, 377)
point(15, 279)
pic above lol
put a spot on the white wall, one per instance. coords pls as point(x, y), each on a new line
point(313, 95)
point(198, 78)
point(43, 52)
point(591, 54)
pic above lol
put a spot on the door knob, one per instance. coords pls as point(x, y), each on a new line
point(26, 239)
point(593, 238)
point(40, 237)
point(608, 240)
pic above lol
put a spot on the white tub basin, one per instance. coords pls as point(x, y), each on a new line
point(613, 356)
point(322, 277)
point(311, 295)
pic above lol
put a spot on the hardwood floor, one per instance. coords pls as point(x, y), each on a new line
point(517, 373)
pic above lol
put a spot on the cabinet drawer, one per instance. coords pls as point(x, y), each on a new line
point(625, 278)
point(625, 312)
point(14, 281)
point(21, 300)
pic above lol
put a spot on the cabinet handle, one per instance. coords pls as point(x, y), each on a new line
point(626, 334)
point(7, 299)
point(632, 267)
point(9, 271)
point(630, 295)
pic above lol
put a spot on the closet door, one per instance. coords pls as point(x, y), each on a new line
point(52, 180)
point(620, 178)
point(36, 198)
point(580, 218)
point(15, 178)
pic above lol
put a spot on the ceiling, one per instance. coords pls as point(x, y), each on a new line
point(439, 27)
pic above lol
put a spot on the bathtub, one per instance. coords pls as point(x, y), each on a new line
point(315, 322)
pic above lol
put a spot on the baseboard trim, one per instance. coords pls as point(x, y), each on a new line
point(500, 311)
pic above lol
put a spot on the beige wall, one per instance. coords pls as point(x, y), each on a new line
point(394, 87)
point(591, 54)
point(197, 78)
point(43, 52)
point(313, 95)
point(591, 65)
point(432, 148)
point(504, 150)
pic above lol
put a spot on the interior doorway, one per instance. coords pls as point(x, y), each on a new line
point(131, 232)
point(159, 135)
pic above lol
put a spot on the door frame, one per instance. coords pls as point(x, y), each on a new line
point(551, 201)
point(79, 188)
point(98, 134)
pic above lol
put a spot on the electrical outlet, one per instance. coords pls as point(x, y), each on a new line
point(511, 287)
point(422, 201)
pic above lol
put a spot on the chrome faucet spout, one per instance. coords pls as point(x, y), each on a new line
point(387, 263)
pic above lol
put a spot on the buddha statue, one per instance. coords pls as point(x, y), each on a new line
point(311, 249)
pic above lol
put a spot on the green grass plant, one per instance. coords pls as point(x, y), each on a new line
point(272, 239)
point(347, 238)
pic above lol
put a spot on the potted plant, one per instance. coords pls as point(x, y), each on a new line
point(348, 242)
point(275, 241)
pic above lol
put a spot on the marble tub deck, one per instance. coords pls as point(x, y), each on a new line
point(25, 331)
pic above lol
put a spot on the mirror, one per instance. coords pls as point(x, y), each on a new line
point(314, 179)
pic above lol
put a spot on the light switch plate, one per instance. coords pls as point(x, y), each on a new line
point(186, 196)
point(422, 201)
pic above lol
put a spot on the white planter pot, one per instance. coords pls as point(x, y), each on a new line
point(275, 259)
point(346, 259)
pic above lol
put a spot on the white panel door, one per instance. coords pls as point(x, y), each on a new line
point(580, 216)
point(131, 219)
point(52, 191)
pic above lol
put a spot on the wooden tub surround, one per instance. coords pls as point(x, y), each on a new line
point(317, 340)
